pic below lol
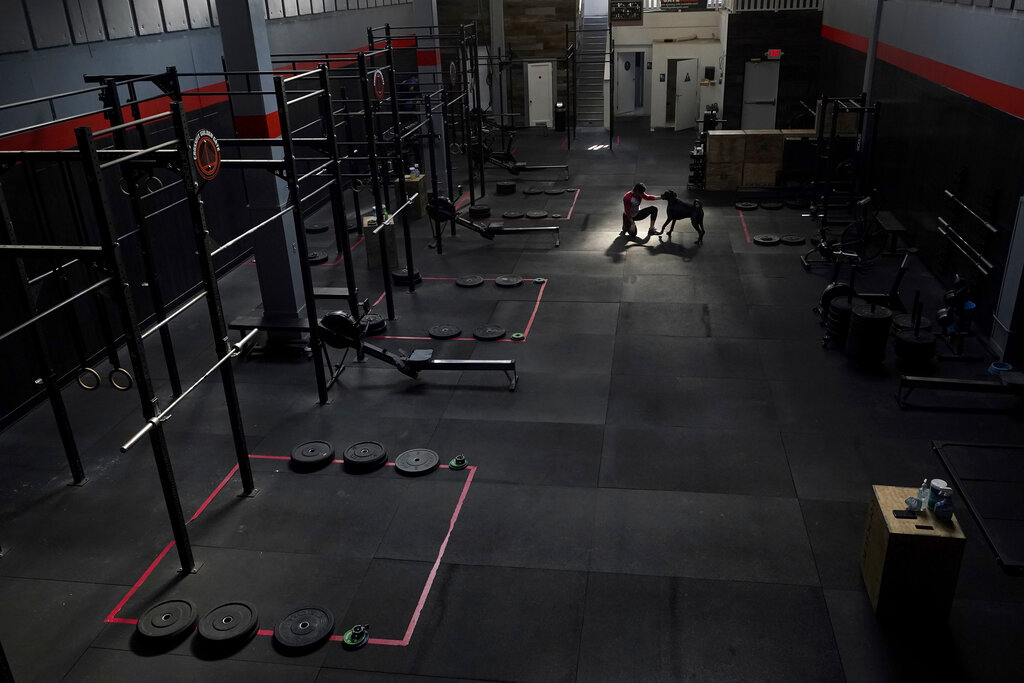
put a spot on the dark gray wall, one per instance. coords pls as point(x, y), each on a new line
point(932, 138)
point(36, 63)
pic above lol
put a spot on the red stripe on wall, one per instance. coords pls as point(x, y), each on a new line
point(62, 135)
point(428, 57)
point(258, 125)
point(1002, 96)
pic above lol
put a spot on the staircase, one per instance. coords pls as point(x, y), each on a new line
point(590, 71)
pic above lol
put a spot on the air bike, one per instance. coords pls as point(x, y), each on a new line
point(340, 330)
point(442, 210)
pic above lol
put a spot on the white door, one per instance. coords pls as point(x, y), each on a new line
point(538, 78)
point(760, 94)
point(625, 83)
point(686, 94)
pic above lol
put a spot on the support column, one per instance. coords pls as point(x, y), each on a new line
point(1008, 317)
point(496, 47)
point(243, 32)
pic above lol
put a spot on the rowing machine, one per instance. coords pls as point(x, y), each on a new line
point(442, 210)
point(340, 330)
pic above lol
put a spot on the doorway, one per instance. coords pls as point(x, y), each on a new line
point(539, 92)
point(682, 98)
point(760, 95)
point(629, 83)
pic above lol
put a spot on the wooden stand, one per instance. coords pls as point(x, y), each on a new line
point(372, 244)
point(910, 566)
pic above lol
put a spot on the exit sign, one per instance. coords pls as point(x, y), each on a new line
point(773, 53)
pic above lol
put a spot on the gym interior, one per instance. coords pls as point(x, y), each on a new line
point(331, 353)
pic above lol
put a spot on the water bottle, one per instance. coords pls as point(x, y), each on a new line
point(416, 169)
point(923, 492)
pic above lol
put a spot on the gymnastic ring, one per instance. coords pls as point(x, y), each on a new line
point(85, 383)
point(150, 184)
point(114, 376)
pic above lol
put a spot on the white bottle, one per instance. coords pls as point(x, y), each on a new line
point(416, 170)
point(923, 493)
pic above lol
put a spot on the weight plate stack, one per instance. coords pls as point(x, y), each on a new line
point(479, 211)
point(766, 240)
point(167, 620)
point(312, 455)
point(315, 258)
point(512, 213)
point(232, 623)
point(417, 462)
point(868, 334)
point(905, 321)
point(469, 281)
point(505, 187)
point(533, 190)
point(771, 206)
point(375, 323)
point(539, 213)
point(554, 191)
point(317, 228)
point(356, 637)
point(364, 456)
point(400, 276)
point(746, 206)
point(914, 350)
point(508, 281)
point(489, 332)
point(793, 240)
point(837, 322)
point(458, 462)
point(305, 629)
point(444, 331)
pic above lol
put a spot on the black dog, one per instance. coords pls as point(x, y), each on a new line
point(678, 209)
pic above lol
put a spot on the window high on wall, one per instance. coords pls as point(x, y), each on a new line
point(675, 4)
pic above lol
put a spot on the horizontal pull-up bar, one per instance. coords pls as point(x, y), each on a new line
point(303, 97)
point(391, 218)
point(129, 124)
point(48, 98)
point(251, 230)
point(24, 250)
point(173, 315)
point(165, 414)
point(304, 74)
point(33, 320)
point(37, 126)
point(318, 190)
point(138, 153)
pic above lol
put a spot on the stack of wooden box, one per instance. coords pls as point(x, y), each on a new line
point(725, 153)
point(762, 159)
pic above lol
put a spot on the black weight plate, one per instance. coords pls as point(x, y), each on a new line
point(539, 213)
point(489, 332)
point(766, 240)
point(771, 206)
point(305, 628)
point(365, 456)
point(556, 215)
point(792, 240)
point(312, 454)
point(400, 276)
point(315, 258)
point(479, 211)
point(417, 462)
point(231, 622)
point(554, 191)
point(533, 190)
point(508, 281)
point(444, 331)
point(317, 228)
point(512, 213)
point(469, 281)
point(375, 323)
point(746, 206)
point(506, 187)
point(167, 619)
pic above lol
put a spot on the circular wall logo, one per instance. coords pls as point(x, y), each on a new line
point(378, 85)
point(206, 155)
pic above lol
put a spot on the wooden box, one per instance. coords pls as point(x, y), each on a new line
point(760, 175)
point(763, 147)
point(910, 566)
point(726, 146)
point(799, 132)
point(372, 243)
point(723, 176)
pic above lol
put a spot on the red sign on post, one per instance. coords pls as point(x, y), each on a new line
point(206, 155)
